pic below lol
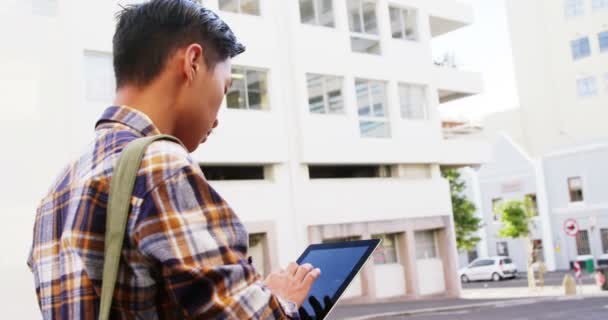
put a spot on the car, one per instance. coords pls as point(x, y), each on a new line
point(492, 268)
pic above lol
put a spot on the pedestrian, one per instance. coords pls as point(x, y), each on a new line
point(185, 251)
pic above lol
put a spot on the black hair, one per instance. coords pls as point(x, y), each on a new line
point(148, 34)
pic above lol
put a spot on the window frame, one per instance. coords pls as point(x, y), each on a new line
point(579, 240)
point(240, 8)
point(425, 107)
point(570, 190)
point(574, 8)
point(364, 35)
point(435, 253)
point(577, 51)
point(317, 14)
point(372, 118)
point(505, 247)
point(394, 249)
point(326, 98)
point(586, 87)
point(599, 5)
point(245, 69)
point(604, 240)
point(402, 21)
point(602, 38)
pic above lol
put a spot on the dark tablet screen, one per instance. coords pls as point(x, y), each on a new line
point(339, 263)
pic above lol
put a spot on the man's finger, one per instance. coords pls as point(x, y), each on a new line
point(311, 277)
point(292, 268)
point(302, 271)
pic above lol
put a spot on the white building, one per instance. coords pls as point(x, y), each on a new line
point(560, 50)
point(330, 132)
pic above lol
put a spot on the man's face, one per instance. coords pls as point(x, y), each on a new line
point(200, 102)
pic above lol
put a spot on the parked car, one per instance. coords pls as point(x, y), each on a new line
point(493, 268)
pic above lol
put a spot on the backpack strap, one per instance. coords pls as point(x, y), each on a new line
point(121, 190)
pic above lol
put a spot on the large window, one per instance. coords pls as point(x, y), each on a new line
point(502, 248)
point(575, 189)
point(404, 23)
point(386, 252)
point(249, 89)
point(600, 4)
point(586, 87)
point(582, 243)
point(348, 171)
point(100, 84)
point(373, 108)
point(603, 40)
point(363, 24)
point(233, 172)
point(426, 244)
point(317, 12)
point(580, 47)
point(413, 101)
point(604, 235)
point(325, 94)
point(574, 8)
point(241, 6)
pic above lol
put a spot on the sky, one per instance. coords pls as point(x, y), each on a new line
point(483, 47)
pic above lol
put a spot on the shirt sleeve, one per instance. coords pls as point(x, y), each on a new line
point(188, 230)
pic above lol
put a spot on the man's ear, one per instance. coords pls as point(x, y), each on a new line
point(193, 61)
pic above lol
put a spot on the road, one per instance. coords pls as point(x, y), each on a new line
point(587, 309)
point(551, 279)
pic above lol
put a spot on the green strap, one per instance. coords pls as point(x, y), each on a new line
point(121, 189)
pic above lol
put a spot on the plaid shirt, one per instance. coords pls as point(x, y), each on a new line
point(184, 252)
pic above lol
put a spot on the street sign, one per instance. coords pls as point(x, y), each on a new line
point(571, 227)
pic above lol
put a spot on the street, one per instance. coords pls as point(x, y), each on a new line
point(588, 309)
point(551, 279)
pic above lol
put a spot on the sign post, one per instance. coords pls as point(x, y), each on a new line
point(572, 229)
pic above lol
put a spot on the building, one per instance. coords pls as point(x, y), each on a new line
point(560, 51)
point(330, 132)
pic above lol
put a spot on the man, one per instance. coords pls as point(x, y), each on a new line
point(184, 255)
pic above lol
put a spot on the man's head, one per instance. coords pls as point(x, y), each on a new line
point(184, 47)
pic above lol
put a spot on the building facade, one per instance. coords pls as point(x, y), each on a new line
point(560, 51)
point(330, 131)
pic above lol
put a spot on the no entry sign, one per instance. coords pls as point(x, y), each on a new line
point(571, 227)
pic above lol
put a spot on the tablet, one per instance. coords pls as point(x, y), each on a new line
point(339, 263)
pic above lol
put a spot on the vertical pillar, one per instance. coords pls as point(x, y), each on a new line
point(408, 251)
point(544, 214)
point(449, 258)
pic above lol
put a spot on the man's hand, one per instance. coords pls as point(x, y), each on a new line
point(294, 283)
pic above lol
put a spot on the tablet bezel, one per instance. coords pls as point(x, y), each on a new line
point(371, 244)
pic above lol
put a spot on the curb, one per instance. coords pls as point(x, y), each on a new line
point(499, 304)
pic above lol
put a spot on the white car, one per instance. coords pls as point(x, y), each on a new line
point(493, 268)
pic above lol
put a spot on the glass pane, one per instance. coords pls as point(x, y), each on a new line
point(257, 89)
point(333, 85)
point(316, 102)
point(100, 84)
point(413, 101)
point(374, 129)
point(365, 45)
point(229, 5)
point(603, 39)
point(387, 251)
point(411, 24)
point(396, 27)
point(235, 98)
point(326, 12)
point(369, 18)
point(363, 103)
point(378, 99)
point(425, 244)
point(250, 7)
point(307, 12)
point(354, 15)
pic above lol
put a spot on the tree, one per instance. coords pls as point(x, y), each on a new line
point(516, 217)
point(466, 223)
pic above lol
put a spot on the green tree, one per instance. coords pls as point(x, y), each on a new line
point(465, 221)
point(516, 217)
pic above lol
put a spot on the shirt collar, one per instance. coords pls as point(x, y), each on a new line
point(129, 117)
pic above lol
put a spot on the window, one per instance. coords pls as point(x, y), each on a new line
point(580, 48)
point(317, 12)
point(345, 172)
point(241, 6)
point(362, 21)
point(404, 23)
point(495, 207)
point(534, 203)
point(413, 101)
point(603, 39)
point(373, 109)
point(502, 248)
point(472, 255)
point(342, 239)
point(587, 87)
point(582, 243)
point(482, 263)
point(575, 188)
point(604, 235)
point(600, 4)
point(258, 252)
point(100, 84)
point(249, 89)
point(216, 173)
point(426, 247)
point(386, 252)
point(574, 8)
point(325, 94)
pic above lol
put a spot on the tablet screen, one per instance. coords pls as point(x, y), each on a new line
point(339, 263)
